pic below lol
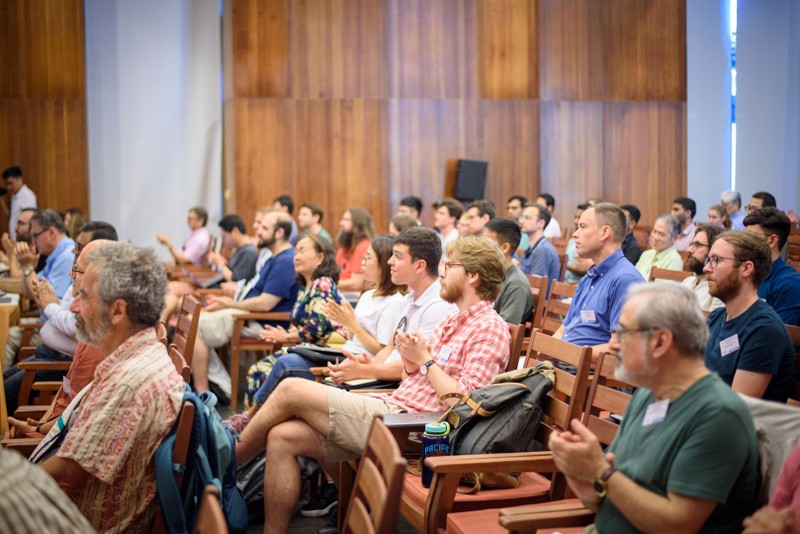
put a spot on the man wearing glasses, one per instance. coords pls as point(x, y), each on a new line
point(748, 346)
point(698, 250)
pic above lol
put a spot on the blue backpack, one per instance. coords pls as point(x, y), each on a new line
point(211, 460)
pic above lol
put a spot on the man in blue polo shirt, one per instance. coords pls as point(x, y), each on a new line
point(600, 294)
point(781, 288)
point(541, 257)
point(272, 289)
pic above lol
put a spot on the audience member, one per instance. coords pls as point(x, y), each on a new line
point(783, 512)
point(23, 229)
point(264, 253)
point(273, 289)
point(553, 229)
point(463, 226)
point(704, 238)
point(448, 212)
point(759, 200)
point(662, 253)
point(466, 350)
point(748, 347)
point(781, 288)
point(309, 220)
point(599, 296)
point(541, 257)
point(194, 249)
point(684, 209)
point(693, 468)
point(576, 266)
point(515, 301)
point(718, 216)
point(514, 207)
point(32, 501)
point(411, 206)
point(630, 245)
point(400, 223)
point(20, 197)
point(355, 232)
point(478, 214)
point(105, 462)
point(732, 202)
point(244, 257)
point(285, 204)
point(74, 219)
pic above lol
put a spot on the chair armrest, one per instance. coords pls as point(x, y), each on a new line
point(320, 371)
point(46, 386)
point(45, 366)
point(540, 462)
point(33, 411)
point(262, 316)
point(403, 424)
point(24, 446)
point(551, 515)
point(31, 326)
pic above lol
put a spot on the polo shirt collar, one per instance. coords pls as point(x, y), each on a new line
point(606, 265)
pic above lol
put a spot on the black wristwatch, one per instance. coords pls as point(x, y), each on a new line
point(600, 484)
point(423, 369)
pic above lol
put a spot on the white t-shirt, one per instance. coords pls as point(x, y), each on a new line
point(378, 316)
point(24, 198)
point(553, 229)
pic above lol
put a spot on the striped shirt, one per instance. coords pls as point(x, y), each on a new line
point(134, 401)
point(32, 501)
point(470, 346)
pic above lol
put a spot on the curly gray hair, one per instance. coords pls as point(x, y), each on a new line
point(134, 275)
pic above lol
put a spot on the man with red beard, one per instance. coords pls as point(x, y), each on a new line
point(698, 250)
point(748, 346)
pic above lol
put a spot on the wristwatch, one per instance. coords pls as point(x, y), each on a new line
point(27, 272)
point(423, 369)
point(600, 484)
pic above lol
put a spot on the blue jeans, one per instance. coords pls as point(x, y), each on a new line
point(288, 365)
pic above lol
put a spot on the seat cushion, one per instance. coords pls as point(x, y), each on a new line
point(533, 488)
point(487, 522)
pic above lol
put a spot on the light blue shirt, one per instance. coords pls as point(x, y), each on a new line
point(542, 259)
point(598, 301)
point(58, 266)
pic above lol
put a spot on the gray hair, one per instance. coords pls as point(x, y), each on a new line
point(673, 223)
point(731, 197)
point(673, 307)
point(48, 219)
point(134, 275)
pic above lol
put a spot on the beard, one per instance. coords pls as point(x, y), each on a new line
point(725, 289)
point(638, 378)
point(695, 265)
point(451, 293)
point(95, 336)
point(345, 240)
point(266, 242)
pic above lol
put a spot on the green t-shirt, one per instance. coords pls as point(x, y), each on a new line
point(705, 447)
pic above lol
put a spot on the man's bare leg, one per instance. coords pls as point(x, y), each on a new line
point(200, 366)
point(294, 398)
point(287, 441)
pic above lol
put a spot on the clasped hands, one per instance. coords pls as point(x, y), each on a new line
point(413, 350)
point(578, 454)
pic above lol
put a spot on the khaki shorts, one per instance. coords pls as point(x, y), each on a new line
point(215, 328)
point(350, 418)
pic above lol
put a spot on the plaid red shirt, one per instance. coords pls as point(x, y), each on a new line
point(471, 346)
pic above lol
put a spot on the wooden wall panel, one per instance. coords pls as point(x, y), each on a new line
point(508, 49)
point(572, 154)
point(337, 49)
point(431, 48)
point(645, 49)
point(43, 99)
point(645, 152)
point(256, 48)
point(571, 50)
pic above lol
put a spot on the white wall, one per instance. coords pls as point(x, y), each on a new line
point(708, 80)
point(154, 108)
point(768, 100)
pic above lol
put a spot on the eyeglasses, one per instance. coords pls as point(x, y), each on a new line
point(750, 208)
point(714, 261)
point(37, 234)
point(448, 265)
point(76, 271)
point(698, 244)
point(619, 330)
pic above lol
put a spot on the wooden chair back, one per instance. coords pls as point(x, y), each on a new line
point(605, 397)
point(794, 332)
point(794, 247)
point(180, 363)
point(161, 333)
point(517, 332)
point(186, 327)
point(556, 308)
point(563, 259)
point(642, 235)
point(656, 273)
point(566, 400)
point(375, 501)
point(795, 264)
point(210, 519)
point(180, 454)
point(539, 291)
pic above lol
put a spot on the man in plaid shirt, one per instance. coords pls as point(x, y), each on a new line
point(465, 351)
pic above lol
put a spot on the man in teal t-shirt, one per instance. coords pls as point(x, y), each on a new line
point(685, 458)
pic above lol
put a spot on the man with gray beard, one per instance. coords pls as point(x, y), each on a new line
point(685, 458)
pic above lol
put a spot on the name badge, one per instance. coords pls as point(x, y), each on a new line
point(656, 413)
point(444, 353)
point(67, 388)
point(587, 316)
point(731, 344)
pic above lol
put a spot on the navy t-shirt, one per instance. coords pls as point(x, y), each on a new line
point(755, 341)
point(277, 278)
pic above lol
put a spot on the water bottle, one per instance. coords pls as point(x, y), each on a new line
point(435, 442)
